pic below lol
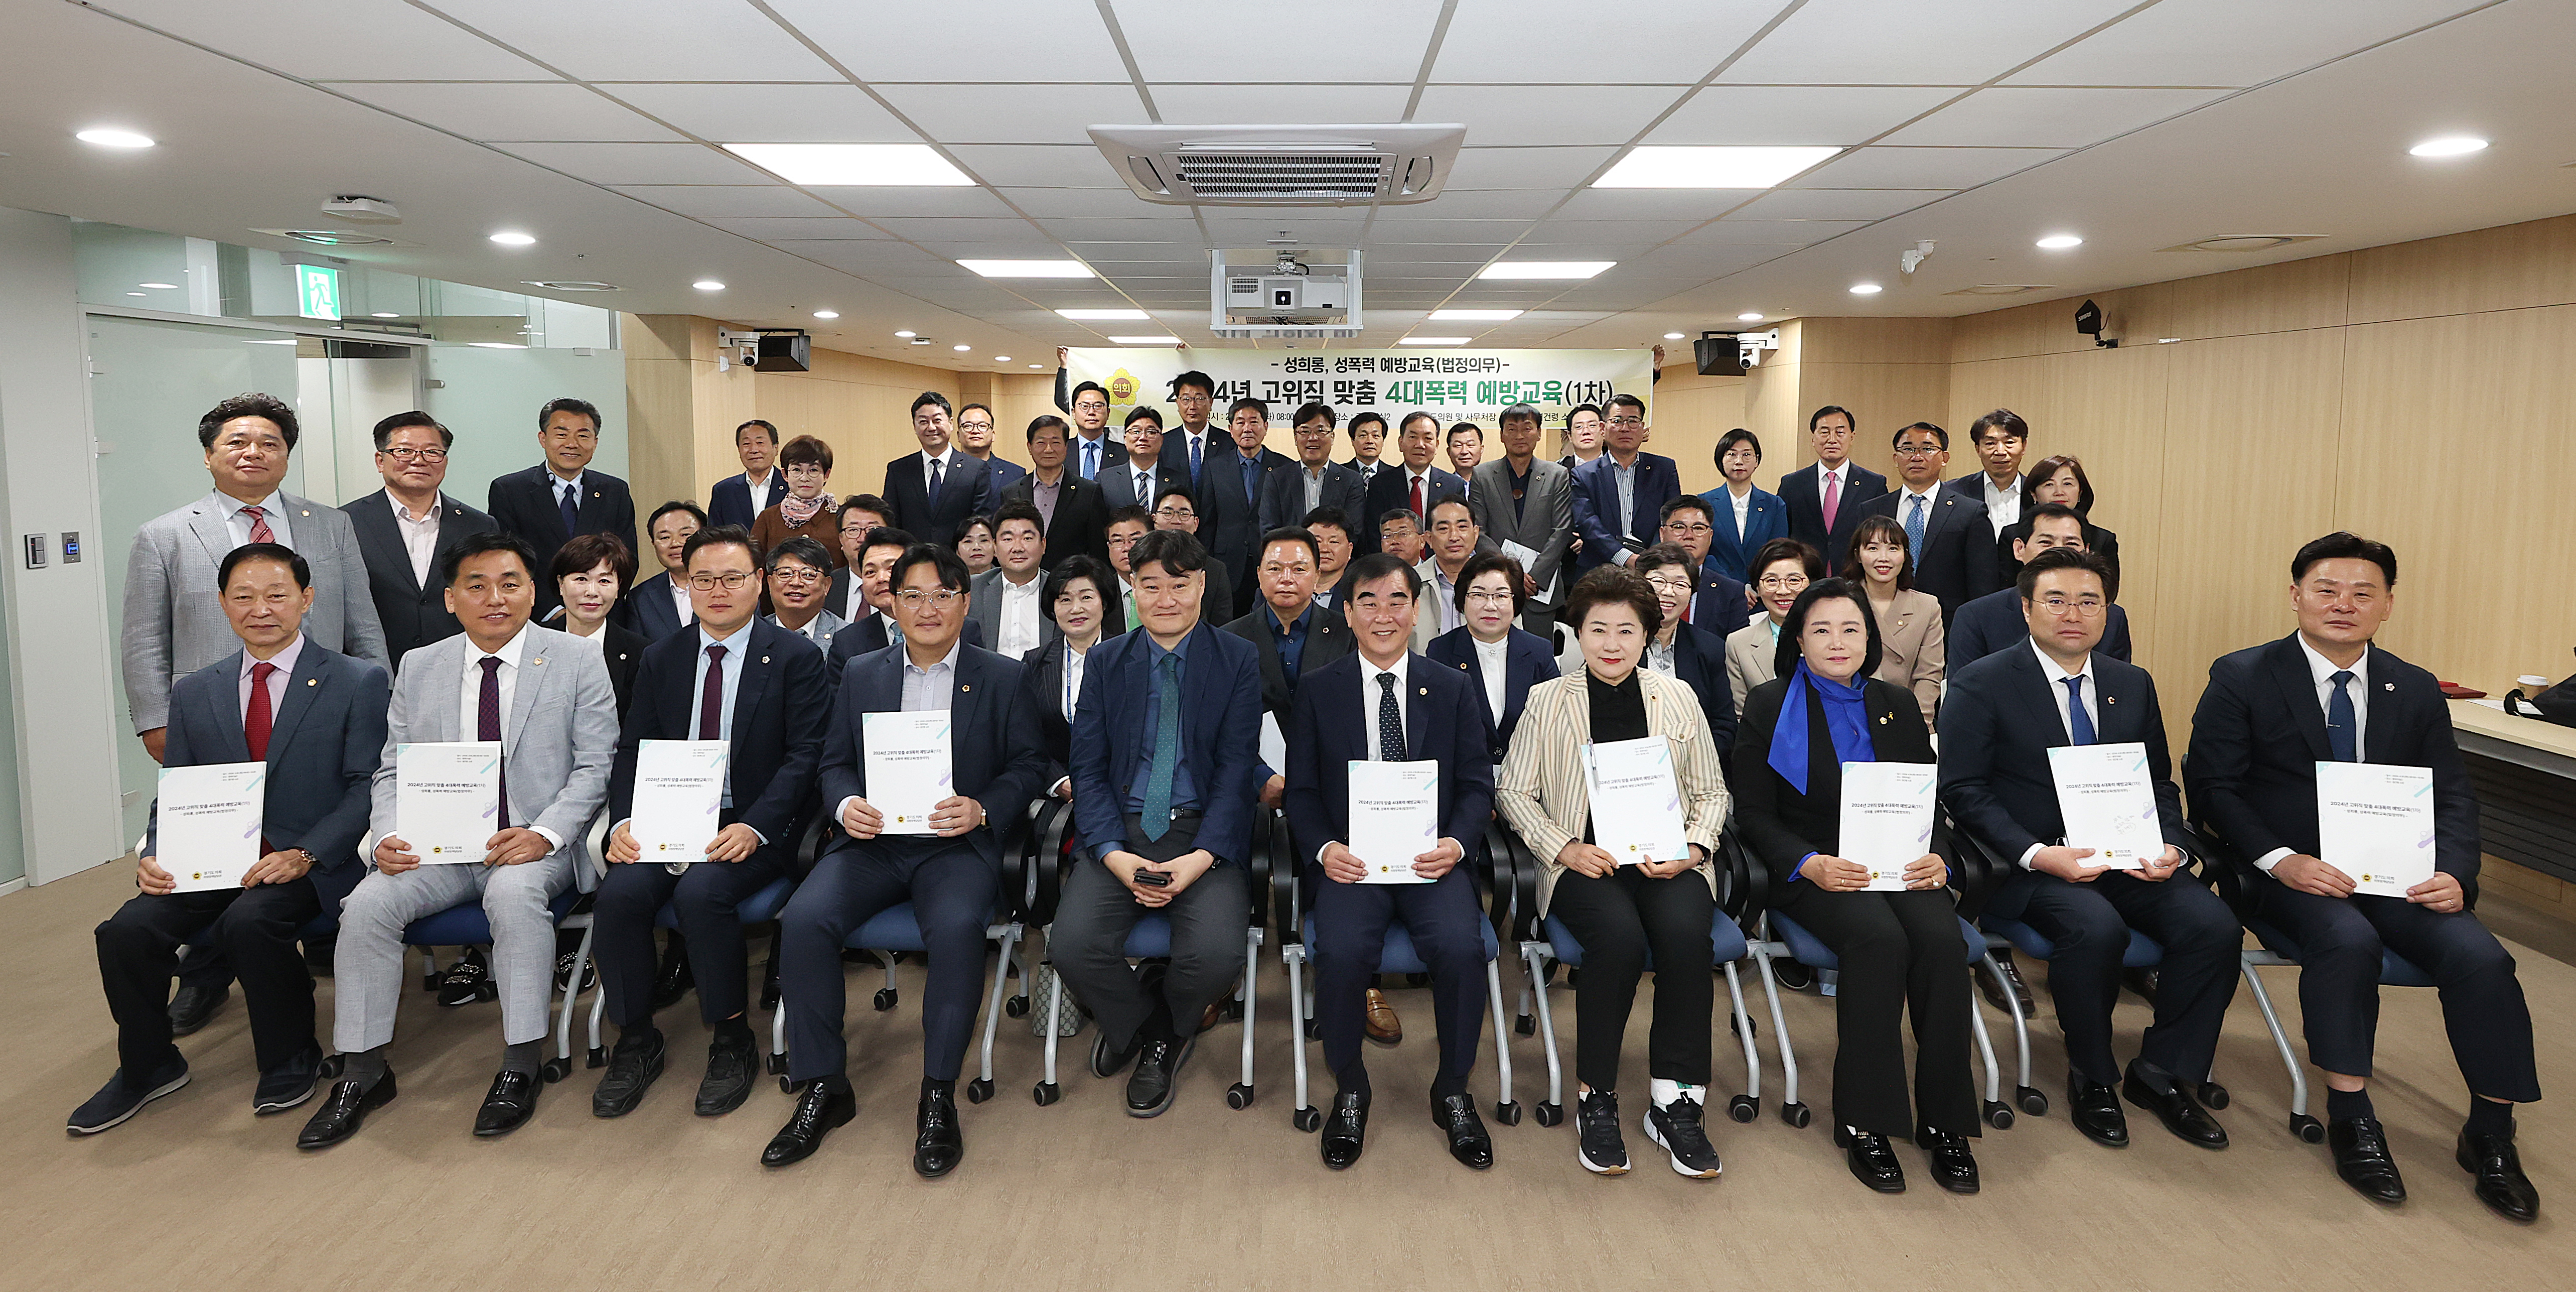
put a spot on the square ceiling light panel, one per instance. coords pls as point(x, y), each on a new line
point(1546, 270)
point(1712, 166)
point(1029, 268)
point(821, 165)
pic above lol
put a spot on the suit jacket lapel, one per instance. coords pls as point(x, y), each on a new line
point(755, 677)
point(533, 666)
point(211, 531)
point(225, 716)
point(1417, 709)
point(435, 716)
point(2035, 692)
point(300, 689)
point(2289, 669)
point(2376, 737)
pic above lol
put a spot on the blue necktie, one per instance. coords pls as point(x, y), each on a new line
point(570, 501)
point(1090, 460)
point(1195, 442)
point(2079, 724)
point(1251, 478)
point(2341, 723)
point(1914, 530)
point(1157, 816)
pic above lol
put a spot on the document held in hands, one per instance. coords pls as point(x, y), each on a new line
point(2107, 803)
point(447, 799)
point(208, 823)
point(2374, 823)
point(1887, 819)
point(1395, 817)
point(909, 767)
point(1636, 801)
point(679, 793)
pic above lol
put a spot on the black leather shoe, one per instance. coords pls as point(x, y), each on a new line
point(818, 1113)
point(194, 1004)
point(2180, 1113)
point(2095, 1110)
point(1456, 1117)
point(1953, 1167)
point(733, 1067)
point(509, 1104)
point(633, 1066)
point(2361, 1157)
point(468, 980)
point(1158, 1075)
point(937, 1145)
point(2141, 983)
point(1872, 1160)
point(1994, 991)
point(288, 1084)
point(672, 980)
point(344, 1110)
point(1106, 1062)
point(1345, 1130)
point(2500, 1181)
point(117, 1100)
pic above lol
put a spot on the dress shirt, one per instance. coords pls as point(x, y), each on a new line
point(1090, 453)
point(2003, 506)
point(1018, 633)
point(238, 525)
point(1144, 482)
point(1490, 657)
point(2057, 692)
point(948, 464)
point(285, 662)
point(1371, 688)
point(1185, 788)
point(470, 699)
point(732, 687)
point(2322, 671)
point(419, 535)
point(1626, 480)
point(1290, 639)
point(1044, 494)
point(680, 600)
point(1247, 467)
point(817, 630)
point(1659, 656)
point(1444, 594)
point(1196, 448)
point(1313, 480)
point(1423, 477)
point(759, 489)
point(1905, 496)
point(925, 690)
point(557, 487)
point(1070, 700)
point(1743, 504)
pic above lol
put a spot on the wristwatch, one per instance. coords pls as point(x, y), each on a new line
point(310, 862)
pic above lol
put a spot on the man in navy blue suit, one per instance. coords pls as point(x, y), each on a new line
point(1824, 500)
point(1165, 746)
point(1945, 529)
point(1619, 496)
point(548, 504)
point(1995, 621)
point(879, 627)
point(739, 500)
point(952, 874)
point(975, 440)
point(2327, 693)
point(933, 492)
point(1384, 703)
point(1229, 498)
point(754, 685)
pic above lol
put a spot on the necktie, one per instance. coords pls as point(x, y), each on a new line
point(256, 720)
point(570, 501)
point(2079, 724)
point(1390, 721)
point(1145, 486)
point(1157, 816)
point(2340, 719)
point(1251, 477)
point(1914, 530)
point(711, 697)
point(259, 530)
point(487, 726)
point(1833, 497)
point(1090, 460)
point(937, 470)
point(1195, 442)
point(1416, 501)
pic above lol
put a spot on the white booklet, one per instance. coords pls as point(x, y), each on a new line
point(209, 818)
point(909, 767)
point(1887, 819)
point(1528, 557)
point(2374, 823)
point(1274, 744)
point(1636, 800)
point(679, 794)
point(1395, 817)
point(447, 799)
point(2108, 803)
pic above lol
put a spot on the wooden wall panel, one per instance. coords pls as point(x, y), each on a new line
point(1691, 411)
point(2517, 266)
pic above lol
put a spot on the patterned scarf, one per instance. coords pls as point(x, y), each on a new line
point(799, 512)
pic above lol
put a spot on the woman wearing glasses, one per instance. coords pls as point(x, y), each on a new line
point(1684, 652)
point(808, 510)
point(1781, 570)
point(1503, 661)
point(1908, 622)
point(589, 573)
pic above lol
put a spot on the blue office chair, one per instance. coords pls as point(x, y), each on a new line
point(465, 924)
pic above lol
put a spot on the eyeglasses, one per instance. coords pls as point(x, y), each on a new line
point(730, 582)
point(1669, 585)
point(1917, 451)
point(1690, 529)
point(2082, 607)
point(1627, 421)
point(1489, 597)
point(914, 599)
point(1176, 513)
point(986, 426)
point(431, 456)
point(1193, 399)
point(1781, 582)
point(795, 574)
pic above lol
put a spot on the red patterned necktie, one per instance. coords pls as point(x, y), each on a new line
point(256, 721)
point(1417, 496)
point(259, 530)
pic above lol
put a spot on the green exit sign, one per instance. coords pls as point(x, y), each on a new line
point(317, 292)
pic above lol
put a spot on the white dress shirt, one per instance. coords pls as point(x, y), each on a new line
point(1370, 689)
point(948, 466)
point(732, 685)
point(1490, 659)
point(1743, 509)
point(2057, 692)
point(1144, 478)
point(2003, 506)
point(285, 662)
point(558, 488)
point(680, 600)
point(924, 690)
point(2321, 671)
point(470, 701)
point(1071, 698)
point(238, 525)
point(419, 534)
point(759, 489)
point(1018, 633)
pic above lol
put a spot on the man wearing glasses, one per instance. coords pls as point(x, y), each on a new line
point(800, 579)
point(548, 504)
point(1945, 530)
point(1175, 511)
point(1994, 621)
point(1718, 605)
point(1093, 452)
point(1194, 393)
point(1619, 496)
point(406, 527)
point(975, 440)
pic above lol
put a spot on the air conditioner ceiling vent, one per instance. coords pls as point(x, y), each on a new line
point(1287, 165)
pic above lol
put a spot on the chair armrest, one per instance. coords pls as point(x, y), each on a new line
point(1500, 864)
point(1748, 882)
point(1287, 894)
point(1525, 872)
point(1979, 871)
point(1016, 845)
point(1046, 873)
point(2221, 864)
point(1271, 853)
point(811, 839)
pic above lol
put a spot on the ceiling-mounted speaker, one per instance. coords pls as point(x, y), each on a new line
point(1719, 354)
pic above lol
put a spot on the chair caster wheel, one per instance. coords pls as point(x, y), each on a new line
point(555, 1070)
point(2213, 1094)
point(1016, 1007)
point(1743, 1108)
point(1046, 1092)
point(334, 1065)
point(1999, 1114)
point(1234, 1011)
point(2032, 1100)
point(1525, 1026)
point(785, 1086)
point(884, 999)
point(777, 1064)
point(1238, 1096)
point(1508, 1114)
point(1312, 1030)
point(1548, 1114)
point(598, 1057)
point(1796, 1115)
point(2308, 1129)
point(979, 1090)
point(1308, 1120)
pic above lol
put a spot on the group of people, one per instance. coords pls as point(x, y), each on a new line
point(1150, 604)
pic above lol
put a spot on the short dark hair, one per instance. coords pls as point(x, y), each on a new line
point(957, 536)
point(1292, 534)
point(885, 536)
point(1417, 415)
point(2065, 558)
point(1352, 428)
point(2047, 467)
point(1378, 565)
point(250, 404)
point(1937, 433)
point(568, 404)
point(1019, 509)
point(494, 540)
point(949, 567)
point(1613, 585)
point(1103, 581)
point(763, 424)
point(798, 547)
point(805, 450)
point(278, 552)
point(1333, 516)
point(676, 504)
point(927, 398)
point(587, 550)
point(869, 503)
point(1734, 437)
point(1310, 410)
point(720, 536)
point(1045, 420)
point(1659, 556)
point(1403, 514)
point(1525, 412)
point(1165, 493)
point(1687, 502)
point(1629, 400)
point(385, 429)
point(1144, 413)
point(1455, 427)
point(964, 409)
point(1261, 406)
point(1785, 549)
point(1177, 552)
point(2051, 511)
point(2344, 545)
point(1828, 411)
point(2002, 419)
point(1784, 660)
point(1194, 377)
point(1483, 563)
point(1075, 395)
point(1594, 409)
point(1453, 500)
point(1136, 512)
point(1885, 529)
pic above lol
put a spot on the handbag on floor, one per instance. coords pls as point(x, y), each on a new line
point(1068, 1016)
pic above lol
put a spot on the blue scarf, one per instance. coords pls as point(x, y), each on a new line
point(1846, 720)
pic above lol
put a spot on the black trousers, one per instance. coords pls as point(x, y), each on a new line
point(254, 929)
point(1351, 922)
point(1624, 922)
point(1096, 913)
point(953, 891)
point(2090, 925)
point(1899, 952)
point(704, 896)
point(2340, 940)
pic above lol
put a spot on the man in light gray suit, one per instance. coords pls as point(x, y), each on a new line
point(545, 696)
point(1315, 480)
point(1525, 507)
point(1005, 600)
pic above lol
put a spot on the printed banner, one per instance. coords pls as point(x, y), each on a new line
point(1452, 385)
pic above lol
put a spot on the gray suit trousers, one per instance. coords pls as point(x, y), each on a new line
point(369, 962)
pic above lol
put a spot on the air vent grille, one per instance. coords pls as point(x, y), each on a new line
point(572, 285)
point(1283, 165)
point(1326, 176)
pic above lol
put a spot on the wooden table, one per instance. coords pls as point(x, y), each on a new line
point(2525, 773)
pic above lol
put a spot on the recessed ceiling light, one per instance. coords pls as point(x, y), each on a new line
point(1001, 358)
point(906, 334)
point(165, 287)
point(827, 314)
point(1710, 167)
point(1545, 269)
point(1866, 289)
point(385, 314)
point(1473, 316)
point(874, 165)
point(1143, 340)
point(921, 340)
point(961, 347)
point(708, 285)
point(497, 345)
point(1749, 316)
point(106, 137)
point(2449, 146)
point(510, 238)
point(1125, 316)
point(1434, 340)
point(2059, 242)
point(1672, 336)
point(1029, 268)
point(135, 293)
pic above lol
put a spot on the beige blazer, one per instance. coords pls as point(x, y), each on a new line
point(1539, 788)
point(1750, 652)
point(1911, 648)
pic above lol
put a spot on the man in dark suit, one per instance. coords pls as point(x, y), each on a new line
point(1165, 743)
point(659, 606)
point(1414, 485)
point(1091, 451)
point(878, 628)
point(861, 514)
point(1999, 719)
point(1313, 480)
point(316, 719)
point(1946, 531)
point(549, 503)
point(1619, 496)
point(933, 492)
point(739, 500)
point(1368, 443)
point(1294, 635)
point(1141, 472)
point(1007, 600)
point(2326, 693)
point(1073, 512)
point(1718, 605)
point(1176, 511)
point(1229, 497)
point(760, 689)
point(950, 872)
point(975, 440)
point(1386, 703)
point(1994, 621)
point(2000, 438)
point(1824, 500)
point(405, 528)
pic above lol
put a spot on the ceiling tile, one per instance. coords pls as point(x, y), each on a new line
point(1039, 165)
point(2014, 117)
point(1836, 204)
point(1472, 232)
point(1176, 229)
point(1653, 203)
point(512, 110)
point(1328, 42)
point(1040, 40)
point(1796, 114)
point(969, 229)
point(1484, 204)
point(638, 163)
point(1044, 202)
point(322, 40)
point(1922, 167)
point(717, 200)
point(770, 114)
point(1285, 104)
point(865, 257)
point(1547, 114)
point(1767, 232)
point(773, 228)
point(622, 40)
point(2229, 42)
point(1506, 40)
point(1627, 233)
point(876, 201)
point(1005, 113)
point(1899, 42)
point(1556, 168)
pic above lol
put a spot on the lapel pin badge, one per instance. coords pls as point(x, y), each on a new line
point(539, 660)
point(2388, 686)
point(313, 681)
point(965, 686)
point(764, 659)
